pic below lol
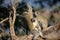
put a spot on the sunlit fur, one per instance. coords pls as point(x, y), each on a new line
point(43, 21)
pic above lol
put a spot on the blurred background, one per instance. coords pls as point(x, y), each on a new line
point(48, 8)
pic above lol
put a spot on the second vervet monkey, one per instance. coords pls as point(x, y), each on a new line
point(56, 16)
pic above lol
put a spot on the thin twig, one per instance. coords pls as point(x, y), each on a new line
point(18, 15)
point(4, 20)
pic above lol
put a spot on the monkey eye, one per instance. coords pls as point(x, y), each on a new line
point(32, 20)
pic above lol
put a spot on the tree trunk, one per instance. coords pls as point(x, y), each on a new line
point(12, 22)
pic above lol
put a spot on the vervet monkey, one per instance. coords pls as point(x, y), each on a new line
point(33, 25)
point(47, 14)
point(56, 17)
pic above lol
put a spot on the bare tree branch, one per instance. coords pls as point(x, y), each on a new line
point(12, 22)
point(4, 20)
